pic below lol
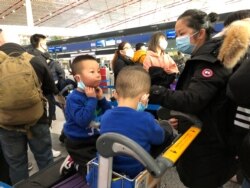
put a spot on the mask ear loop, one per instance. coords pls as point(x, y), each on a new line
point(194, 34)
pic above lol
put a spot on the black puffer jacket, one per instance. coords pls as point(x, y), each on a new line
point(121, 62)
point(201, 90)
point(235, 53)
point(160, 77)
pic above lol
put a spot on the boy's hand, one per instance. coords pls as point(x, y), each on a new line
point(99, 93)
point(144, 99)
point(90, 92)
point(173, 122)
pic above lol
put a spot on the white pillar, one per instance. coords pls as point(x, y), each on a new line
point(29, 14)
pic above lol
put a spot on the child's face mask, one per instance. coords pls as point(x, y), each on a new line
point(81, 85)
point(141, 107)
point(143, 103)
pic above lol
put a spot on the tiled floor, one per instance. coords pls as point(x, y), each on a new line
point(169, 180)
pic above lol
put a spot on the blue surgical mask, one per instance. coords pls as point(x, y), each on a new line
point(81, 85)
point(141, 107)
point(183, 44)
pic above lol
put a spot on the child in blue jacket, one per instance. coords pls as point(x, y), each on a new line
point(130, 120)
point(84, 108)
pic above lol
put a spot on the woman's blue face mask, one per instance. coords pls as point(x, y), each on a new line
point(183, 44)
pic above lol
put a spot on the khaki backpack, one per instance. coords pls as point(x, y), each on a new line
point(21, 99)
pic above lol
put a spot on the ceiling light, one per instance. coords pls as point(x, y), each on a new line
point(14, 11)
point(24, 4)
point(79, 11)
point(3, 17)
point(39, 19)
point(50, 13)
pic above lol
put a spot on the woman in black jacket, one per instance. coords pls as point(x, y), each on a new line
point(200, 91)
point(235, 53)
point(122, 57)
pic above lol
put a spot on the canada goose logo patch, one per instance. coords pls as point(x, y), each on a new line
point(207, 73)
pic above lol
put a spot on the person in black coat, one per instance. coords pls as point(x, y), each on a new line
point(56, 70)
point(39, 49)
point(235, 53)
point(200, 91)
point(14, 147)
point(122, 57)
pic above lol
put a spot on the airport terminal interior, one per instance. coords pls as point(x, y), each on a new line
point(187, 52)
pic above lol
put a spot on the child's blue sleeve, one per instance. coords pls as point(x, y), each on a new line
point(156, 132)
point(104, 104)
point(83, 114)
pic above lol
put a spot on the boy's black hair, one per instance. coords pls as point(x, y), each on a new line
point(238, 15)
point(75, 65)
point(35, 39)
point(138, 46)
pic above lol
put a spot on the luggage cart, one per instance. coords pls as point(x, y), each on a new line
point(113, 144)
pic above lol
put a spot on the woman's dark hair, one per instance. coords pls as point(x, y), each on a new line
point(138, 46)
point(117, 52)
point(238, 15)
point(154, 41)
point(197, 20)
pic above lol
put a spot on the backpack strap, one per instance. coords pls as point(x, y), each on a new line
point(28, 57)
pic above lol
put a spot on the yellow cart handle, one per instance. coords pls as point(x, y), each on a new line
point(176, 150)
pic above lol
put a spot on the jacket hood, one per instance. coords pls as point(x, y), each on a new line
point(235, 44)
point(139, 56)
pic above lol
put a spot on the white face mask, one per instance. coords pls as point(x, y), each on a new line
point(44, 47)
point(163, 44)
point(129, 53)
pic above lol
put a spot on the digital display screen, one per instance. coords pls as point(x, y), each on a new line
point(118, 41)
point(110, 42)
point(51, 49)
point(171, 34)
point(58, 49)
point(100, 43)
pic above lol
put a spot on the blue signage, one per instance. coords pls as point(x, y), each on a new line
point(51, 49)
point(58, 49)
point(110, 42)
point(100, 43)
point(170, 34)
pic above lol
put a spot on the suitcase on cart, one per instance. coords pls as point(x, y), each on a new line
point(75, 181)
